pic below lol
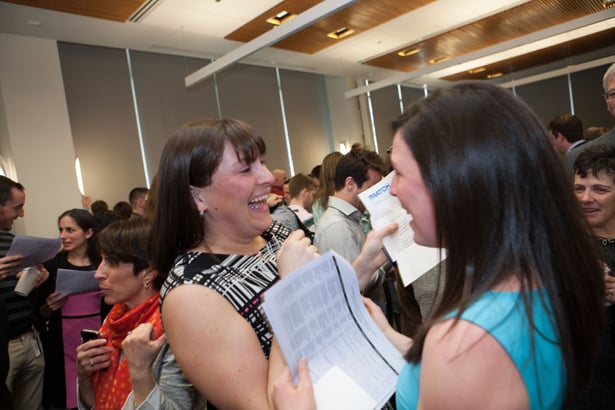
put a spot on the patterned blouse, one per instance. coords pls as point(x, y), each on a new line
point(241, 279)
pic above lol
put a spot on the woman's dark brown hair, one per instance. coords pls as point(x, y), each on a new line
point(126, 241)
point(190, 158)
point(504, 205)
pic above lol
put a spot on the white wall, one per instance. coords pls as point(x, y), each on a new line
point(345, 113)
point(35, 134)
point(36, 142)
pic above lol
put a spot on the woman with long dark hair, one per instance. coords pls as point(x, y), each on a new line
point(64, 316)
point(522, 306)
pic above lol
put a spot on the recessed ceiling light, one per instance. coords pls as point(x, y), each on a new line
point(281, 17)
point(438, 60)
point(494, 75)
point(33, 23)
point(340, 33)
point(408, 52)
point(477, 70)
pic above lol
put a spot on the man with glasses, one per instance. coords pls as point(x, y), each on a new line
point(608, 82)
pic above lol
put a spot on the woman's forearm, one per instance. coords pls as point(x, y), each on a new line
point(401, 342)
point(365, 269)
point(86, 392)
point(142, 385)
point(277, 365)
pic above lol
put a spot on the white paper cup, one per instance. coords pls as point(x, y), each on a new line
point(26, 282)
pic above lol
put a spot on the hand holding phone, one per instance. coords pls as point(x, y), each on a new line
point(89, 334)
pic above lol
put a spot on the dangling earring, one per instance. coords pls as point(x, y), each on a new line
point(202, 214)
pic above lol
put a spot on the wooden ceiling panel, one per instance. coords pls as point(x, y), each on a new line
point(545, 56)
point(518, 21)
point(363, 15)
point(360, 17)
point(114, 10)
point(259, 25)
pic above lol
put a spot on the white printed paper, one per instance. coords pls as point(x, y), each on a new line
point(417, 260)
point(412, 260)
point(385, 209)
point(336, 390)
point(33, 249)
point(317, 312)
point(72, 282)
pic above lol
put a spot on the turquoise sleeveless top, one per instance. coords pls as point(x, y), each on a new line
point(502, 315)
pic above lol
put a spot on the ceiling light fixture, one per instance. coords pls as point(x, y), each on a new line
point(494, 75)
point(340, 33)
point(477, 70)
point(306, 18)
point(79, 176)
point(522, 45)
point(408, 52)
point(608, 3)
point(438, 60)
point(280, 18)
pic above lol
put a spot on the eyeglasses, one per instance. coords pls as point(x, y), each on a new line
point(610, 95)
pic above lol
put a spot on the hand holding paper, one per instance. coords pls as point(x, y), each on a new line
point(412, 260)
point(295, 251)
point(9, 264)
point(317, 312)
point(34, 250)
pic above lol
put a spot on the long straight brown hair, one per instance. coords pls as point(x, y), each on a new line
point(327, 179)
point(504, 205)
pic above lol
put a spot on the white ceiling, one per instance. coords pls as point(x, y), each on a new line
point(197, 28)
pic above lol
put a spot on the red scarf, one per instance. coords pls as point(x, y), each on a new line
point(112, 385)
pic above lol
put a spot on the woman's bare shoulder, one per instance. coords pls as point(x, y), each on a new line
point(472, 366)
point(215, 346)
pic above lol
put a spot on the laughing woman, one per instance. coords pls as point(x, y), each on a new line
point(212, 231)
point(214, 237)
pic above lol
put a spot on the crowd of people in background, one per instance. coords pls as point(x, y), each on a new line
point(520, 315)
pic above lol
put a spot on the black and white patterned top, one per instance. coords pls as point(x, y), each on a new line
point(241, 279)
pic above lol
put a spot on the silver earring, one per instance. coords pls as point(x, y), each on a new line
point(202, 214)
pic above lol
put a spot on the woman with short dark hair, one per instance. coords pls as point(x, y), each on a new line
point(130, 365)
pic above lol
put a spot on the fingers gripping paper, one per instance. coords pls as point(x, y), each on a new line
point(317, 312)
point(412, 260)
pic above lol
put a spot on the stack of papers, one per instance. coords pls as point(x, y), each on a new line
point(317, 312)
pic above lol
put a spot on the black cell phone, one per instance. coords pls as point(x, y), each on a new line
point(89, 334)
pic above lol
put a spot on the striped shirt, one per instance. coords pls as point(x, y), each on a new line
point(19, 308)
point(240, 279)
